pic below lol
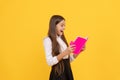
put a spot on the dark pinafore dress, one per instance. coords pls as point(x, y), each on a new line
point(66, 75)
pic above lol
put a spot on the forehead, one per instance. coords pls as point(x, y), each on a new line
point(62, 22)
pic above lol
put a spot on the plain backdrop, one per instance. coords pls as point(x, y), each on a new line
point(24, 24)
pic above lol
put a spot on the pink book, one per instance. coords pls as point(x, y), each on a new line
point(79, 44)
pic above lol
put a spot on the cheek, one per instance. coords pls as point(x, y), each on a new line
point(57, 29)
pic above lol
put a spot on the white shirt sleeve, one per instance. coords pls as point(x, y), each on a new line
point(71, 57)
point(48, 52)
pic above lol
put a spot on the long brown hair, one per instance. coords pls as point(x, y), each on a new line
point(55, 19)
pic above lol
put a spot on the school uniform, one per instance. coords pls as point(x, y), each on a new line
point(52, 60)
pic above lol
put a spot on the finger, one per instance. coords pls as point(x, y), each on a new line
point(73, 49)
point(86, 37)
point(72, 45)
point(83, 49)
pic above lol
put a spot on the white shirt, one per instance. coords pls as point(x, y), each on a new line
point(52, 60)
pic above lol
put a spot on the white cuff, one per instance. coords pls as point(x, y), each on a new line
point(71, 57)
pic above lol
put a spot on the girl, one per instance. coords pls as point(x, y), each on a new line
point(58, 53)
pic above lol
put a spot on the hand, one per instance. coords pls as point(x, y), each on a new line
point(75, 55)
point(70, 49)
point(84, 47)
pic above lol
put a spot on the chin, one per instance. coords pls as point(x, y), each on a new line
point(61, 34)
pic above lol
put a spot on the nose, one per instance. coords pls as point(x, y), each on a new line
point(63, 28)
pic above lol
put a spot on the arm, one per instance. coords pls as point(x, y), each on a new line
point(48, 51)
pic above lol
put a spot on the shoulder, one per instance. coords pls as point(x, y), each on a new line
point(46, 39)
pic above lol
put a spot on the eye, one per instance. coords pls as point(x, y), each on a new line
point(62, 25)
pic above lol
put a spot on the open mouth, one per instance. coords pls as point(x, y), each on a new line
point(61, 31)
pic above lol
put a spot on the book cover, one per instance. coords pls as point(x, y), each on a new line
point(79, 44)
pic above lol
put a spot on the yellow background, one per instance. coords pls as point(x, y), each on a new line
point(24, 24)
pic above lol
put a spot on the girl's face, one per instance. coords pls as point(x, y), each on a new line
point(60, 27)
